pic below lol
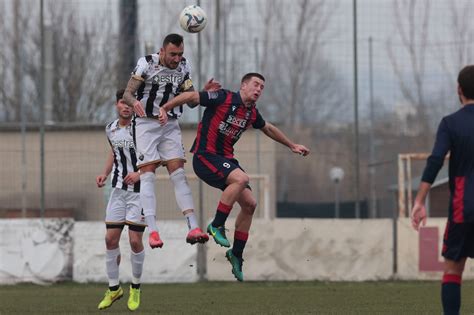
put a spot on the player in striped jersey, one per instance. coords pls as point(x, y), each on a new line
point(156, 79)
point(227, 116)
point(123, 207)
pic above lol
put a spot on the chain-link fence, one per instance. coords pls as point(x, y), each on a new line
point(408, 56)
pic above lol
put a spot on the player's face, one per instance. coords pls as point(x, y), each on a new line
point(171, 55)
point(253, 88)
point(124, 110)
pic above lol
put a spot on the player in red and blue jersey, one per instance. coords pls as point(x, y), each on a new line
point(455, 135)
point(227, 115)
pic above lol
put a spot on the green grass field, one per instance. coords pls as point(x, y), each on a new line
point(384, 297)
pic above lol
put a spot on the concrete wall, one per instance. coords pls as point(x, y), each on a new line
point(50, 250)
point(75, 156)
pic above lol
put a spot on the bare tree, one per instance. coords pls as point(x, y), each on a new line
point(84, 57)
point(411, 23)
point(456, 53)
point(297, 56)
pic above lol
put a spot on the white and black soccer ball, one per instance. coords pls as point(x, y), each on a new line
point(193, 19)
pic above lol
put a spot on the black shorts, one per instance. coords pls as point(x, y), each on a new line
point(213, 169)
point(458, 240)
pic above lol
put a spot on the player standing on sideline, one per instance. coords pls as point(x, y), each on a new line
point(226, 117)
point(456, 135)
point(123, 207)
point(156, 79)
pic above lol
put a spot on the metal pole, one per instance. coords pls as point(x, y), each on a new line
point(23, 140)
point(42, 114)
point(202, 249)
point(336, 200)
point(217, 41)
point(373, 196)
point(19, 68)
point(257, 136)
point(356, 115)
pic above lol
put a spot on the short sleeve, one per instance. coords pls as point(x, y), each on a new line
point(259, 121)
point(187, 83)
point(140, 71)
point(214, 98)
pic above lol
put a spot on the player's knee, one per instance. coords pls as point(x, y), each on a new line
point(242, 180)
point(249, 206)
point(111, 242)
point(136, 245)
point(147, 177)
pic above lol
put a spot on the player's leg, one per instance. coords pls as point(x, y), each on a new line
point(147, 133)
point(136, 227)
point(137, 258)
point(226, 175)
point(243, 222)
point(115, 221)
point(184, 199)
point(236, 182)
point(456, 247)
point(148, 202)
point(451, 285)
point(172, 153)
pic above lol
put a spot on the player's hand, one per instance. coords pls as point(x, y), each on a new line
point(300, 149)
point(212, 85)
point(162, 116)
point(138, 109)
point(131, 178)
point(418, 215)
point(100, 180)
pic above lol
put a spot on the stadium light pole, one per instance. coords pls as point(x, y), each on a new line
point(336, 174)
point(356, 115)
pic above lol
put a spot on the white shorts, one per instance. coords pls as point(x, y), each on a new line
point(156, 143)
point(124, 208)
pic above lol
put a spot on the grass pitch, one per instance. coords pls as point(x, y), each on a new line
point(384, 297)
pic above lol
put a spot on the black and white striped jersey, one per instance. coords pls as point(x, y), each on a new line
point(161, 84)
point(125, 157)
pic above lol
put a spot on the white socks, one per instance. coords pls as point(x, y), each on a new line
point(112, 262)
point(191, 220)
point(148, 199)
point(182, 192)
point(137, 260)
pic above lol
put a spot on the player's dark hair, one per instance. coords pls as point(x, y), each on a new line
point(250, 75)
point(466, 81)
point(119, 94)
point(174, 39)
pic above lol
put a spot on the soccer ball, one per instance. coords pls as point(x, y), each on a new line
point(193, 19)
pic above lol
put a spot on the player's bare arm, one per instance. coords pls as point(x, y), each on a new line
point(102, 178)
point(418, 213)
point(183, 98)
point(132, 87)
point(276, 134)
point(210, 86)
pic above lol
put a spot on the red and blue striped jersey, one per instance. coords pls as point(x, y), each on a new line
point(456, 135)
point(224, 120)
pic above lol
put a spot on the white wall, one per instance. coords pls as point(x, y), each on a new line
point(33, 250)
point(282, 249)
point(175, 262)
point(310, 249)
point(412, 265)
point(49, 250)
